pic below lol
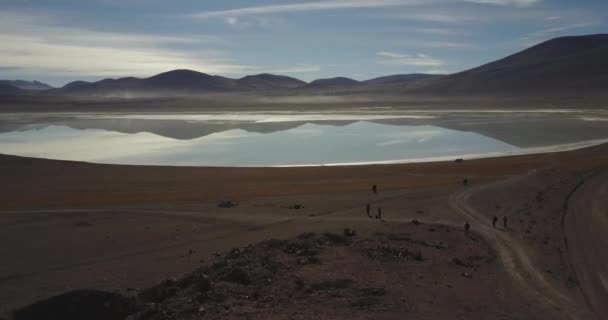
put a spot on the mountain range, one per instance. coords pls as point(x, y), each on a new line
point(576, 63)
point(15, 86)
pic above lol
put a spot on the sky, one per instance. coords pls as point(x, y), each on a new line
point(60, 41)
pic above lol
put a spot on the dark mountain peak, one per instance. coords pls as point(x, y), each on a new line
point(566, 64)
point(592, 40)
point(76, 84)
point(28, 85)
point(336, 81)
point(261, 76)
point(180, 75)
point(267, 80)
point(559, 48)
point(6, 88)
point(189, 80)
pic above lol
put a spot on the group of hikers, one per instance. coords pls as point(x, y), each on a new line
point(467, 226)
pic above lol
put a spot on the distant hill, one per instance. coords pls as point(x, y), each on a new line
point(27, 85)
point(8, 89)
point(334, 82)
point(75, 84)
point(183, 82)
point(567, 64)
point(187, 80)
point(19, 87)
point(176, 81)
point(399, 78)
point(268, 81)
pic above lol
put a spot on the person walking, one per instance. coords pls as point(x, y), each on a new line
point(368, 209)
point(504, 221)
point(375, 189)
point(494, 221)
point(380, 213)
point(467, 226)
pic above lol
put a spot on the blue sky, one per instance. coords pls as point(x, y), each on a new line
point(64, 40)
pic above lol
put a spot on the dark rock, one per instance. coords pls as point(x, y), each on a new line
point(202, 283)
point(336, 238)
point(80, 304)
point(331, 285)
point(274, 243)
point(376, 292)
point(238, 275)
point(365, 302)
point(158, 293)
point(300, 284)
point(309, 260)
point(300, 248)
point(227, 204)
point(234, 253)
point(348, 232)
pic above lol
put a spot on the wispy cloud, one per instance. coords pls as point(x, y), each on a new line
point(419, 60)
point(34, 44)
point(238, 22)
point(437, 71)
point(565, 28)
point(434, 31)
point(460, 13)
point(355, 4)
point(552, 18)
point(309, 6)
point(516, 3)
point(442, 44)
point(436, 16)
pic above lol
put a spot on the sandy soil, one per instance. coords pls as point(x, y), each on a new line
point(69, 225)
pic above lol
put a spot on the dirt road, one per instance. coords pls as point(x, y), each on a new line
point(515, 256)
point(586, 227)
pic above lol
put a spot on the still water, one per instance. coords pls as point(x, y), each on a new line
point(263, 140)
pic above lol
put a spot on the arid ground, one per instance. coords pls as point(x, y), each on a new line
point(68, 226)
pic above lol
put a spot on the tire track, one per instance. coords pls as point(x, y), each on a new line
point(513, 255)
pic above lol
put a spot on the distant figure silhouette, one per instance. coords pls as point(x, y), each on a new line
point(504, 221)
point(379, 213)
point(375, 189)
point(467, 226)
point(465, 181)
point(368, 209)
point(494, 221)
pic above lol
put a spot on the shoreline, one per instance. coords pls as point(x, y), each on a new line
point(441, 159)
point(32, 183)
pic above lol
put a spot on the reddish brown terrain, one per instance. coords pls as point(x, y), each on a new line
point(68, 226)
